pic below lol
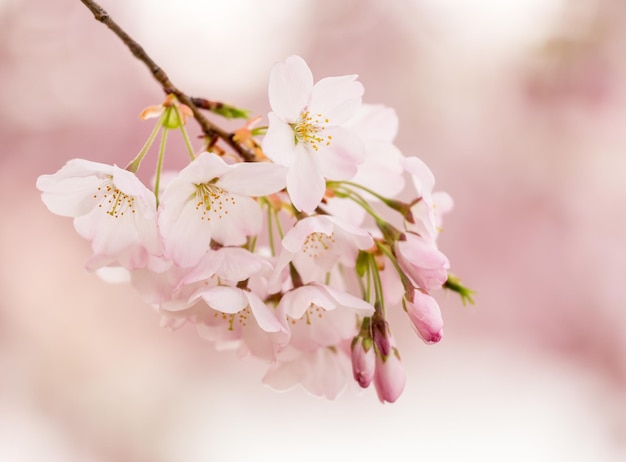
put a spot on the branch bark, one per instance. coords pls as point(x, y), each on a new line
point(210, 130)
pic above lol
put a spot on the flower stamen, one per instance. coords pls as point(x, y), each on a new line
point(115, 200)
point(210, 197)
point(308, 130)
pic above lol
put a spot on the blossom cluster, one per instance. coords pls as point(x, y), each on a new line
point(297, 258)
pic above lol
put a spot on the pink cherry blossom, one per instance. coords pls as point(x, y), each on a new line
point(315, 244)
point(381, 169)
point(111, 208)
point(428, 212)
point(425, 315)
point(422, 261)
point(306, 130)
point(320, 316)
point(323, 371)
point(211, 200)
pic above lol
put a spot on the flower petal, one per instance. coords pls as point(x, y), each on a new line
point(290, 86)
point(254, 179)
point(279, 142)
point(305, 184)
point(337, 98)
point(224, 299)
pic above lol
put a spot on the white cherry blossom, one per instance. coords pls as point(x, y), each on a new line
point(111, 208)
point(307, 131)
point(212, 200)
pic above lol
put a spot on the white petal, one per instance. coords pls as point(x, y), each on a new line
point(296, 236)
point(224, 299)
point(297, 301)
point(254, 179)
point(238, 264)
point(235, 222)
point(349, 301)
point(206, 167)
point(375, 122)
point(186, 237)
point(340, 159)
point(305, 184)
point(279, 143)
point(337, 98)
point(422, 176)
point(290, 86)
point(264, 316)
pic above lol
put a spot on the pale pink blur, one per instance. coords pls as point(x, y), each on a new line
point(520, 112)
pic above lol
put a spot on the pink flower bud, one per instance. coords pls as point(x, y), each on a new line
point(425, 316)
point(363, 361)
point(389, 378)
point(382, 335)
point(422, 261)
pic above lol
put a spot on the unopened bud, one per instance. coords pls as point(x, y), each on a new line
point(363, 360)
point(425, 315)
point(382, 334)
point(389, 378)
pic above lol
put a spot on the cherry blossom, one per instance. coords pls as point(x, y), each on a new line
point(320, 316)
point(429, 210)
point(201, 246)
point(111, 208)
point(316, 243)
point(211, 200)
point(322, 372)
point(381, 169)
point(307, 131)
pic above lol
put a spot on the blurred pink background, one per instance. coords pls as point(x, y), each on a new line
point(519, 108)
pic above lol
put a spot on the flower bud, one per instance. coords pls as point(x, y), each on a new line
point(425, 315)
point(382, 334)
point(363, 360)
point(389, 377)
point(422, 261)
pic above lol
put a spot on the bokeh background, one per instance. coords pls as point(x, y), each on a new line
point(519, 108)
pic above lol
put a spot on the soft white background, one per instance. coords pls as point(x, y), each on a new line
point(518, 107)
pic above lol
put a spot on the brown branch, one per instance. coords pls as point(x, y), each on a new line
point(210, 130)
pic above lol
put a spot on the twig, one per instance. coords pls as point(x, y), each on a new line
point(210, 130)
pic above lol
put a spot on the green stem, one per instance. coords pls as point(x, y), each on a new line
point(185, 135)
point(159, 166)
point(279, 226)
point(134, 165)
point(270, 228)
point(406, 282)
point(361, 187)
point(378, 285)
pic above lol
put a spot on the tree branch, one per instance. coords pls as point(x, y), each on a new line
point(210, 130)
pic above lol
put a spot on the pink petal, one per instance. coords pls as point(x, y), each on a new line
point(265, 317)
point(297, 301)
point(347, 300)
